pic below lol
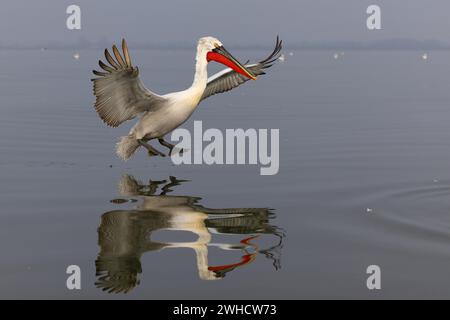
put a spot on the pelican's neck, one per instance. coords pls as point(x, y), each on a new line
point(201, 71)
point(191, 97)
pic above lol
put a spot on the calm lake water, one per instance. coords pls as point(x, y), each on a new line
point(364, 180)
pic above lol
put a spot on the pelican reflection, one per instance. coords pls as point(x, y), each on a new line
point(124, 235)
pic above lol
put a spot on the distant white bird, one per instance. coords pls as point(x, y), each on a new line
point(76, 56)
point(424, 56)
point(120, 94)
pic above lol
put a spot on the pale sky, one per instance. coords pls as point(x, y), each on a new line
point(239, 22)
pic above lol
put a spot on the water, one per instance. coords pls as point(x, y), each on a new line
point(364, 179)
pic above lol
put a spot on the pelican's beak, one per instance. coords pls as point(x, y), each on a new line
point(222, 56)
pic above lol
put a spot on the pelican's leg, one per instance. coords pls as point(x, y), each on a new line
point(168, 145)
point(151, 153)
point(151, 150)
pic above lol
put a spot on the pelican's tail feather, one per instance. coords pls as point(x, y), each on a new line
point(126, 146)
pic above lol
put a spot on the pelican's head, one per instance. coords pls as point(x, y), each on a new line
point(215, 51)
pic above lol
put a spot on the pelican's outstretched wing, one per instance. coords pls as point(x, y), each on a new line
point(120, 94)
point(228, 79)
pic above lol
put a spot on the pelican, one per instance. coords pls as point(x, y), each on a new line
point(121, 95)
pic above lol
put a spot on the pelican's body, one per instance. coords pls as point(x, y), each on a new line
point(120, 94)
point(177, 108)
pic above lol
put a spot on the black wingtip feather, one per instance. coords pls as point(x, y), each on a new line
point(105, 66)
point(99, 73)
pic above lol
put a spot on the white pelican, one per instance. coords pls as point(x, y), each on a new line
point(120, 94)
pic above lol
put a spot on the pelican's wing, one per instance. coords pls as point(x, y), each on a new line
point(120, 93)
point(228, 79)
